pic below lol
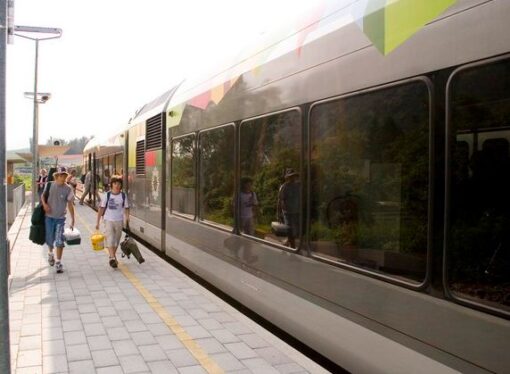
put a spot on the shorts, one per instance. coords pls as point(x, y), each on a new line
point(247, 225)
point(292, 220)
point(55, 232)
point(113, 233)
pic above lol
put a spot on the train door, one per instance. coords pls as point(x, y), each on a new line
point(153, 162)
point(136, 181)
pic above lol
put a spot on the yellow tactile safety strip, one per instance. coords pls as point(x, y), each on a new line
point(207, 362)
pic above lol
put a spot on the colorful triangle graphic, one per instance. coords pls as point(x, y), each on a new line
point(389, 23)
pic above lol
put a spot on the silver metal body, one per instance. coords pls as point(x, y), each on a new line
point(365, 322)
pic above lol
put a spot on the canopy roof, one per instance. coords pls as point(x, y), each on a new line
point(45, 151)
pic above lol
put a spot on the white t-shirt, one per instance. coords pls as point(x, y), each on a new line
point(115, 210)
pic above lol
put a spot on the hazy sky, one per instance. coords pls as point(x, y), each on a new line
point(116, 55)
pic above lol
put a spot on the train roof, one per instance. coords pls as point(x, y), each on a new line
point(384, 25)
point(102, 145)
point(154, 107)
point(293, 32)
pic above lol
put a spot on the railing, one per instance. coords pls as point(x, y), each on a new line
point(15, 200)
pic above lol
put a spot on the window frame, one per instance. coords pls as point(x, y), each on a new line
point(303, 238)
point(199, 169)
point(430, 205)
point(172, 211)
point(448, 188)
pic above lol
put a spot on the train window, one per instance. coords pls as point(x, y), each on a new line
point(105, 173)
point(370, 180)
point(100, 167)
point(217, 175)
point(183, 176)
point(270, 152)
point(119, 168)
point(478, 235)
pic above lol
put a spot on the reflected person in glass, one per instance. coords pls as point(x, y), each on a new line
point(288, 205)
point(249, 204)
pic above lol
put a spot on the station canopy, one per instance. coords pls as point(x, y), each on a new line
point(45, 151)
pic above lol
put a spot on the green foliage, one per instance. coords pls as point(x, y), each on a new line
point(371, 152)
point(268, 147)
point(26, 179)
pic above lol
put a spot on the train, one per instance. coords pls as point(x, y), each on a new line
point(347, 179)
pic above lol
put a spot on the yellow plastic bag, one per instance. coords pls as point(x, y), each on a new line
point(97, 241)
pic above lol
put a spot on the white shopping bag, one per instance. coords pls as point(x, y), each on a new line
point(73, 236)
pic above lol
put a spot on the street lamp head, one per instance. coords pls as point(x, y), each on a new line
point(41, 97)
point(42, 33)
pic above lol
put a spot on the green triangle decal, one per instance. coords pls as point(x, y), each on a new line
point(389, 23)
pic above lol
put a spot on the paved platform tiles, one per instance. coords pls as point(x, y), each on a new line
point(147, 318)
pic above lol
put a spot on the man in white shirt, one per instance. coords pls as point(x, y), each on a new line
point(115, 209)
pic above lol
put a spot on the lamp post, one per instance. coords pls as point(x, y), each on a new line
point(5, 355)
point(38, 98)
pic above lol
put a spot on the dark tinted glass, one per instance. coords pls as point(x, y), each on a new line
point(217, 175)
point(270, 148)
point(369, 180)
point(183, 176)
point(478, 249)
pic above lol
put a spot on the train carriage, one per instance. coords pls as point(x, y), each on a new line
point(391, 127)
point(103, 156)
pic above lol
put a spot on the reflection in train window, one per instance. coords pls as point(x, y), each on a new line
point(370, 180)
point(269, 147)
point(478, 243)
point(118, 168)
point(217, 175)
point(183, 176)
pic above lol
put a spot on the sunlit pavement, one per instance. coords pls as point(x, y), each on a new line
point(136, 319)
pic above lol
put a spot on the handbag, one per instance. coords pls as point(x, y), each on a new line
point(72, 237)
point(38, 215)
point(37, 234)
point(129, 247)
point(279, 228)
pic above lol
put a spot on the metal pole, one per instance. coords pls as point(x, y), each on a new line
point(35, 136)
point(5, 356)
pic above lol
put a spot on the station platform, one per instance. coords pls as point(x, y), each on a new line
point(139, 318)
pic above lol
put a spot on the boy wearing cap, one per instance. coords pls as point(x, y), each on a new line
point(57, 197)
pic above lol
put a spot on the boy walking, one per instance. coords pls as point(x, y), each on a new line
point(115, 209)
point(57, 196)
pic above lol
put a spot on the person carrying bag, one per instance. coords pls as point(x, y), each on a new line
point(114, 209)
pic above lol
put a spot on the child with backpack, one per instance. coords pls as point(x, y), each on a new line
point(115, 210)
